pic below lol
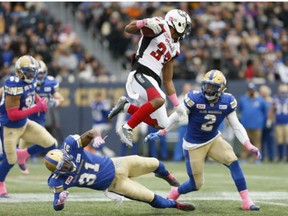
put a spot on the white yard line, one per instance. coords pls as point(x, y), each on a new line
point(259, 197)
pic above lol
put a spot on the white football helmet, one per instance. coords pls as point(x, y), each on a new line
point(26, 68)
point(213, 85)
point(42, 72)
point(59, 162)
point(180, 21)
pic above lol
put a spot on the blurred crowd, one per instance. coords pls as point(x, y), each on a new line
point(29, 28)
point(245, 39)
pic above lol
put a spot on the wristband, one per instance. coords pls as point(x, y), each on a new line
point(141, 23)
point(162, 132)
point(174, 99)
point(248, 145)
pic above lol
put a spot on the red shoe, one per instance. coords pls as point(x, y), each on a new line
point(173, 194)
point(169, 178)
point(21, 160)
point(185, 206)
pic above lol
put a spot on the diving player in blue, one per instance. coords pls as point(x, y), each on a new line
point(18, 102)
point(48, 89)
point(206, 110)
point(72, 166)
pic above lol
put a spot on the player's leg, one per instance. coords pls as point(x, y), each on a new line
point(134, 166)
point(222, 152)
point(35, 133)
point(286, 140)
point(279, 132)
point(10, 141)
point(149, 95)
point(194, 160)
point(135, 191)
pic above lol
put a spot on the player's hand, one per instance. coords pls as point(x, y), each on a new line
point(154, 24)
point(63, 196)
point(51, 102)
point(181, 111)
point(253, 149)
point(268, 123)
point(97, 141)
point(151, 137)
point(42, 105)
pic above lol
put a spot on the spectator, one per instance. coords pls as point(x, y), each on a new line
point(252, 110)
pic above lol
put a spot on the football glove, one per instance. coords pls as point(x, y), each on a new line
point(97, 141)
point(42, 105)
point(153, 23)
point(154, 136)
point(63, 197)
point(181, 111)
point(253, 149)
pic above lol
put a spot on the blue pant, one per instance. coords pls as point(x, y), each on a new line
point(178, 149)
point(268, 143)
point(153, 146)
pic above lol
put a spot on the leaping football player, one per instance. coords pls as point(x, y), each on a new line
point(206, 110)
point(152, 66)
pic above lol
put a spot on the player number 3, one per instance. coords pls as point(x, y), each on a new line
point(88, 178)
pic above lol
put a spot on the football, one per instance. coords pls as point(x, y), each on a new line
point(147, 32)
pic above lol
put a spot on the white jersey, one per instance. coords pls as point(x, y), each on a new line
point(155, 52)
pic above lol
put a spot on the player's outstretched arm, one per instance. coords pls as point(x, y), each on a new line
point(59, 200)
point(242, 135)
point(90, 135)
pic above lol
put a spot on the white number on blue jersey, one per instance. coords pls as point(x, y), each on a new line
point(88, 178)
point(281, 108)
point(208, 126)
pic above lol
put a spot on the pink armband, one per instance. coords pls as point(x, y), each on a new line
point(174, 99)
point(141, 23)
point(248, 145)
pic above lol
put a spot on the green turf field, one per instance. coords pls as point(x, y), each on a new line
point(268, 184)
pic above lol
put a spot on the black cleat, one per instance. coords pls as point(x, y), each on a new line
point(252, 207)
point(119, 107)
point(169, 178)
point(185, 206)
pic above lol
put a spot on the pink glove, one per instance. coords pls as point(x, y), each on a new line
point(63, 197)
point(97, 141)
point(42, 105)
point(253, 149)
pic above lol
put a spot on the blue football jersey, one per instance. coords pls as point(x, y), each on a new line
point(17, 87)
point(100, 111)
point(46, 91)
point(205, 118)
point(95, 172)
point(281, 110)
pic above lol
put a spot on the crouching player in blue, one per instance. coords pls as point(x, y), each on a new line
point(206, 110)
point(72, 166)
